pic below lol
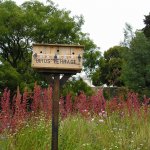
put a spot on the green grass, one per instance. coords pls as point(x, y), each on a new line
point(78, 133)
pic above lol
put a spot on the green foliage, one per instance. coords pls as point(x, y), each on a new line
point(13, 43)
point(111, 92)
point(92, 60)
point(146, 29)
point(109, 68)
point(136, 69)
point(75, 87)
point(97, 77)
point(128, 35)
point(9, 77)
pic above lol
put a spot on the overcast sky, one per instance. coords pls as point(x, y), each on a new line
point(105, 19)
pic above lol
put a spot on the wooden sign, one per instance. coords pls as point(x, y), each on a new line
point(57, 57)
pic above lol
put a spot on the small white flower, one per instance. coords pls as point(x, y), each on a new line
point(114, 128)
point(85, 110)
point(116, 146)
point(86, 144)
point(101, 120)
point(105, 115)
point(100, 114)
point(92, 119)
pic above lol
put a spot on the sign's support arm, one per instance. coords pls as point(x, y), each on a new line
point(64, 79)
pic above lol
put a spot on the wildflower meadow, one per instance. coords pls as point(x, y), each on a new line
point(85, 122)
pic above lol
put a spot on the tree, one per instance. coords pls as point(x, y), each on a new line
point(146, 29)
point(98, 77)
point(128, 35)
point(34, 22)
point(109, 69)
point(9, 77)
point(91, 61)
point(136, 69)
point(75, 86)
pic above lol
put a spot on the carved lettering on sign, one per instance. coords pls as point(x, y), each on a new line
point(55, 61)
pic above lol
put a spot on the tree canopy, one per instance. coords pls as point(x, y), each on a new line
point(109, 69)
point(136, 69)
point(75, 87)
point(146, 29)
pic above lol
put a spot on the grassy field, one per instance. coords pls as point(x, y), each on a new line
point(78, 133)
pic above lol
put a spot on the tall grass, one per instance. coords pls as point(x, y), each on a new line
point(78, 133)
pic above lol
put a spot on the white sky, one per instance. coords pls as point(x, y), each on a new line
point(105, 19)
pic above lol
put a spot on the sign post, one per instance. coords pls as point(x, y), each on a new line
point(55, 112)
point(57, 59)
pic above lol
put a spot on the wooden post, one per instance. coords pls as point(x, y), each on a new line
point(55, 112)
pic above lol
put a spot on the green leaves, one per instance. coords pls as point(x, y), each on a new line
point(109, 67)
point(9, 77)
point(136, 69)
point(76, 86)
point(146, 29)
point(91, 60)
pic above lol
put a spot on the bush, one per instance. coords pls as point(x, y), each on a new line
point(111, 92)
point(75, 87)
